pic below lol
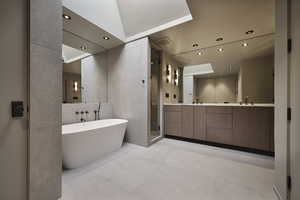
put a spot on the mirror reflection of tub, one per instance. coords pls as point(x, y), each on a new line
point(86, 142)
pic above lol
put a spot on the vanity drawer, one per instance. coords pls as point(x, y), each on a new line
point(219, 109)
point(216, 120)
point(173, 120)
point(175, 108)
point(220, 135)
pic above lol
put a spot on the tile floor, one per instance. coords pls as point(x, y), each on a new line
point(173, 170)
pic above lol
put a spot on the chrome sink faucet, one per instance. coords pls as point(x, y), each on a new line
point(247, 100)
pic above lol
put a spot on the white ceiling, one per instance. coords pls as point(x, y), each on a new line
point(129, 20)
point(193, 70)
point(229, 19)
point(70, 54)
point(79, 32)
point(102, 13)
point(140, 16)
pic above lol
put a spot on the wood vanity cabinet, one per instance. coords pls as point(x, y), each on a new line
point(252, 128)
point(219, 125)
point(172, 118)
point(199, 122)
point(187, 121)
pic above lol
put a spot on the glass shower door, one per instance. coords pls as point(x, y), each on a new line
point(155, 95)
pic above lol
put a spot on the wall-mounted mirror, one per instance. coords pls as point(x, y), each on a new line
point(72, 87)
point(83, 52)
point(240, 71)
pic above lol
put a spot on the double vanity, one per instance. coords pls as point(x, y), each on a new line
point(247, 127)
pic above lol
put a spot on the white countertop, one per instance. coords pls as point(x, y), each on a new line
point(222, 104)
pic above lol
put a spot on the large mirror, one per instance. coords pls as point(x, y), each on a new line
point(240, 71)
point(72, 86)
point(84, 59)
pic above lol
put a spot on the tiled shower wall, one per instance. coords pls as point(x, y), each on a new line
point(69, 112)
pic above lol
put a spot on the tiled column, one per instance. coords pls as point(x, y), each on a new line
point(45, 79)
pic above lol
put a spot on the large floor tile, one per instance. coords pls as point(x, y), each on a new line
point(171, 170)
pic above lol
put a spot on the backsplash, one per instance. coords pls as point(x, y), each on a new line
point(69, 110)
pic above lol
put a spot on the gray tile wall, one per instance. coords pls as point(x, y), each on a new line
point(94, 78)
point(69, 116)
point(45, 97)
point(13, 86)
point(128, 87)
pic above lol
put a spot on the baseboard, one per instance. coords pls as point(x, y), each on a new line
point(249, 150)
point(276, 192)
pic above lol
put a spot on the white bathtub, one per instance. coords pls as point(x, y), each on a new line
point(83, 143)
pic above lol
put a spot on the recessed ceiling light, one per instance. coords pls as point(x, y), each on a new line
point(83, 48)
point(106, 38)
point(245, 44)
point(220, 49)
point(195, 45)
point(249, 32)
point(219, 39)
point(67, 17)
point(199, 53)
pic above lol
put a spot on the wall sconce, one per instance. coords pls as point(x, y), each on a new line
point(168, 73)
point(176, 77)
point(75, 86)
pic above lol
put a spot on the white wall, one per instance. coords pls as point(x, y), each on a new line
point(94, 78)
point(281, 100)
point(128, 87)
point(188, 89)
point(103, 13)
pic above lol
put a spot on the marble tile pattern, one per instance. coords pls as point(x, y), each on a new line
point(173, 170)
point(69, 110)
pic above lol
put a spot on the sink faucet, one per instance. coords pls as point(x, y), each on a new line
point(246, 99)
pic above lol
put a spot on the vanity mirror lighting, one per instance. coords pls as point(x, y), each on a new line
point(169, 73)
point(75, 86)
point(176, 77)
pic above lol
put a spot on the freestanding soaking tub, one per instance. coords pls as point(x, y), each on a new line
point(83, 143)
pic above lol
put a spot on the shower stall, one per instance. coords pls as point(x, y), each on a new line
point(155, 96)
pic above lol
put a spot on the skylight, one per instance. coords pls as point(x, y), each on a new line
point(193, 70)
point(70, 54)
